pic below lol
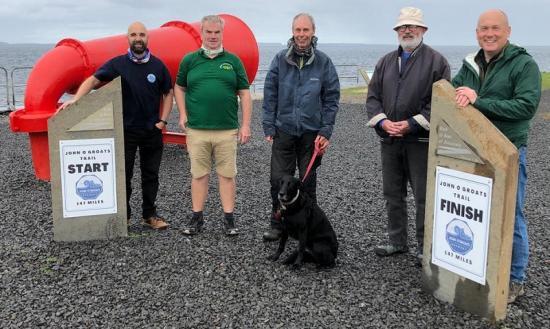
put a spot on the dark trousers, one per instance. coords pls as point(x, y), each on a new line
point(402, 162)
point(149, 143)
point(287, 153)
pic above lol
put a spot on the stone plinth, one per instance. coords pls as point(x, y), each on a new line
point(466, 141)
point(86, 145)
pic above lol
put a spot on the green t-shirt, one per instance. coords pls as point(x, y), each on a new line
point(211, 89)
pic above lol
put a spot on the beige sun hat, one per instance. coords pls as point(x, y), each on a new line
point(410, 16)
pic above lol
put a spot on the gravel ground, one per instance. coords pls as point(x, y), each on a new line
point(167, 280)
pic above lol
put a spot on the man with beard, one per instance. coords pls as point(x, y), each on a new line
point(301, 98)
point(208, 83)
point(146, 85)
point(503, 82)
point(398, 107)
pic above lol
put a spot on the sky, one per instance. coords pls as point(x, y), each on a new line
point(450, 22)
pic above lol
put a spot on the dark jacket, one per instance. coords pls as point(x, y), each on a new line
point(510, 93)
point(405, 95)
point(300, 100)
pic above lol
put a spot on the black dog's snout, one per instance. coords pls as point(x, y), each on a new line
point(288, 188)
point(283, 192)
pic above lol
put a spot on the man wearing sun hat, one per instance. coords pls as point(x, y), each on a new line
point(398, 108)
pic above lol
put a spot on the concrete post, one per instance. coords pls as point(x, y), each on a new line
point(86, 145)
point(465, 141)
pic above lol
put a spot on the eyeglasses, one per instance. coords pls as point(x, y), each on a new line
point(411, 28)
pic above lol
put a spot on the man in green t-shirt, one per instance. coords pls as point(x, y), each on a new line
point(207, 85)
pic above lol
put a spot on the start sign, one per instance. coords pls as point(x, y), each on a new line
point(461, 223)
point(88, 177)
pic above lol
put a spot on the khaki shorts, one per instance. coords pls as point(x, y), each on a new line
point(202, 145)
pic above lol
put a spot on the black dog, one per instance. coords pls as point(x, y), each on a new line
point(304, 221)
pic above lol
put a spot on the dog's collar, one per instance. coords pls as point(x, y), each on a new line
point(285, 204)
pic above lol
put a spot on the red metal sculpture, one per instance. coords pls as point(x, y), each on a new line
point(64, 68)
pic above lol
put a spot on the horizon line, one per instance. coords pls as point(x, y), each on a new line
point(284, 43)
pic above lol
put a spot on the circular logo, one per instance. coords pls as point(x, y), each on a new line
point(226, 66)
point(89, 187)
point(151, 77)
point(459, 236)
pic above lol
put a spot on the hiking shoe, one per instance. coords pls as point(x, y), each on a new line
point(272, 235)
point(194, 226)
point(229, 226)
point(516, 290)
point(155, 222)
point(390, 249)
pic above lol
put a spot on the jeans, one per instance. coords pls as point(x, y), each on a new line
point(149, 143)
point(520, 246)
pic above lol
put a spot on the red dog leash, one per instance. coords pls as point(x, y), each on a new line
point(316, 152)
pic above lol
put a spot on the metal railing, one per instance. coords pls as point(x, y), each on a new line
point(14, 99)
point(13, 91)
point(348, 72)
point(5, 83)
point(347, 75)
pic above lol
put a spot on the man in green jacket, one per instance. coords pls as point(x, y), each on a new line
point(503, 82)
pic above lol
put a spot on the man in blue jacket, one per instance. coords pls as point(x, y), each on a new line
point(301, 96)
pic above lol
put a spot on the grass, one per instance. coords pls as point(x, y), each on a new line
point(137, 235)
point(545, 80)
point(353, 91)
point(362, 91)
point(48, 264)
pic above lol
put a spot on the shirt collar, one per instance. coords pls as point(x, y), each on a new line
point(209, 52)
point(139, 60)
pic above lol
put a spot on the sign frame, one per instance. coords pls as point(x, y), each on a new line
point(91, 162)
point(462, 219)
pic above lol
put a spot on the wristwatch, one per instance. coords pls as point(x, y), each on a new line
point(163, 121)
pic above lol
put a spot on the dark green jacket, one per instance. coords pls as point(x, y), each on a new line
point(510, 94)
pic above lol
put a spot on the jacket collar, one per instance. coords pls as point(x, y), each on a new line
point(290, 58)
point(470, 59)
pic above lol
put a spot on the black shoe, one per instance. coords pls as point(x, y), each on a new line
point(390, 249)
point(229, 226)
point(272, 235)
point(194, 226)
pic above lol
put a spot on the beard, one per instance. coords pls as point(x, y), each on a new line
point(409, 43)
point(138, 47)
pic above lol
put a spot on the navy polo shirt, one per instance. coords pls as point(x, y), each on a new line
point(143, 86)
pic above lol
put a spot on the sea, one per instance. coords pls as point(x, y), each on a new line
point(17, 60)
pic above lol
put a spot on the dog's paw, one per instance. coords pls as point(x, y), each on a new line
point(273, 257)
point(325, 267)
point(291, 259)
point(296, 266)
